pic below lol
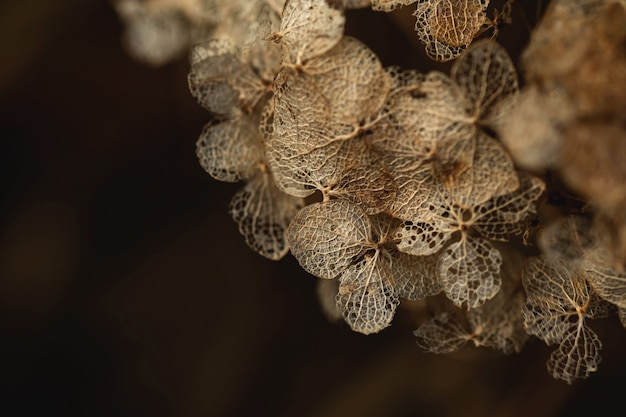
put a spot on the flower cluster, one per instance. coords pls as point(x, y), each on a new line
point(389, 184)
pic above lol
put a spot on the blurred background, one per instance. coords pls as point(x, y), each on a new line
point(126, 289)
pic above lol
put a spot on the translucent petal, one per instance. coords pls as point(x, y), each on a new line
point(608, 283)
point(503, 215)
point(414, 277)
point(302, 174)
point(487, 77)
point(302, 114)
point(327, 237)
point(577, 356)
point(498, 323)
point(447, 27)
point(361, 179)
point(441, 334)
point(263, 213)
point(366, 295)
point(353, 72)
point(421, 112)
point(469, 272)
point(424, 238)
point(482, 170)
point(555, 299)
point(307, 114)
point(309, 28)
point(231, 150)
point(415, 192)
point(220, 81)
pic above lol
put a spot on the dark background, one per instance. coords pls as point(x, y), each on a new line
point(126, 289)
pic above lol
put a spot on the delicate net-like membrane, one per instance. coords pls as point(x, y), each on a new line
point(259, 51)
point(482, 84)
point(422, 110)
point(247, 25)
point(263, 213)
point(370, 288)
point(497, 324)
point(314, 139)
point(447, 27)
point(307, 111)
point(326, 237)
point(415, 191)
point(230, 150)
point(389, 5)
point(337, 239)
point(346, 170)
point(352, 78)
point(301, 117)
point(504, 215)
point(300, 175)
point(413, 277)
point(442, 334)
point(424, 120)
point(487, 77)
point(577, 356)
point(366, 295)
point(220, 81)
point(309, 28)
point(559, 299)
point(469, 269)
point(469, 272)
point(430, 131)
point(608, 283)
point(362, 180)
point(424, 238)
point(237, 20)
point(496, 218)
point(480, 169)
point(439, 109)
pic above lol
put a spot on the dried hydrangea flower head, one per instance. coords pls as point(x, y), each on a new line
point(390, 184)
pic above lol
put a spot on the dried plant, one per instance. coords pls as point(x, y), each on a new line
point(389, 184)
